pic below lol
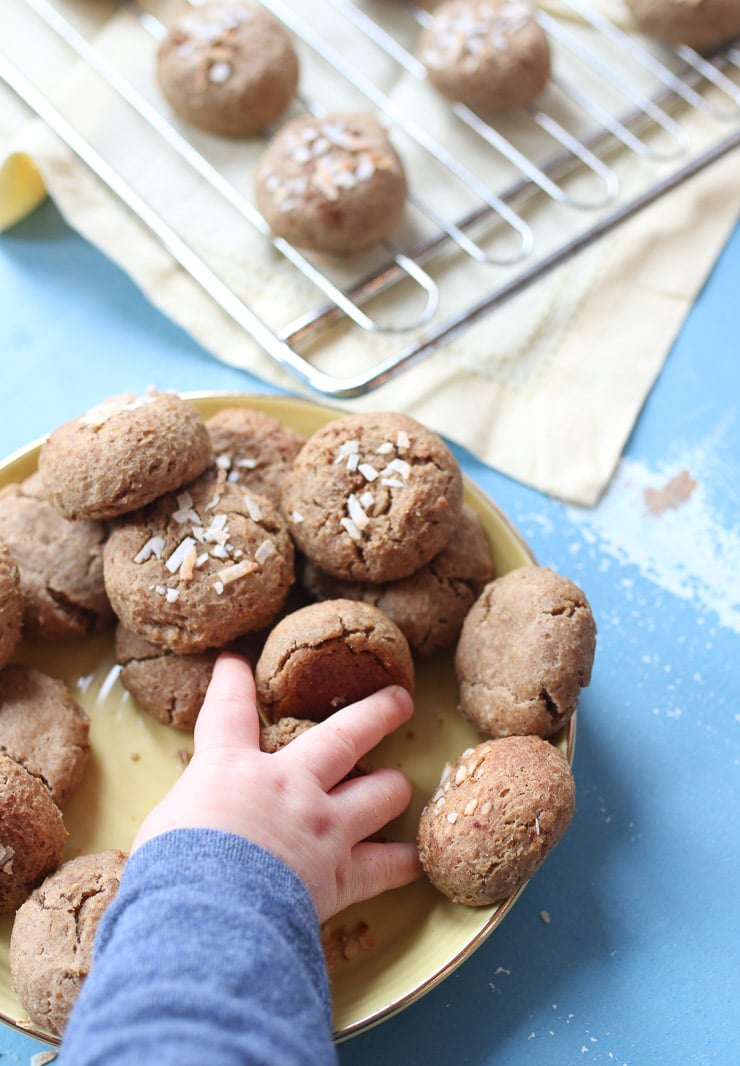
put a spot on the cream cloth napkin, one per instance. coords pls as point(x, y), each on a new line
point(546, 388)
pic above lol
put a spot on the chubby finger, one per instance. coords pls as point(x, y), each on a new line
point(228, 717)
point(333, 746)
point(369, 803)
point(377, 868)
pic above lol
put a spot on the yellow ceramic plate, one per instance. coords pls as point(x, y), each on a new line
point(411, 938)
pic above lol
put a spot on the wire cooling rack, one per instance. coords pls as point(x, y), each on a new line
point(498, 203)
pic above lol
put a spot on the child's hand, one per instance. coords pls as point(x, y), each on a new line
point(290, 801)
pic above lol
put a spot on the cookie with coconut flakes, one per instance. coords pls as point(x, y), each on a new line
point(60, 565)
point(197, 569)
point(11, 605)
point(429, 606)
point(122, 454)
point(373, 497)
point(702, 24)
point(254, 449)
point(333, 184)
point(227, 67)
point(488, 54)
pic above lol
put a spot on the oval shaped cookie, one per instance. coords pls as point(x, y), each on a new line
point(525, 652)
point(373, 497)
point(499, 811)
point(227, 67)
point(44, 729)
point(327, 655)
point(488, 54)
point(61, 565)
point(11, 605)
point(51, 943)
point(331, 184)
point(123, 454)
point(32, 833)
point(198, 568)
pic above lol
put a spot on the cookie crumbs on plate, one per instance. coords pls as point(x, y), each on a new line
point(344, 943)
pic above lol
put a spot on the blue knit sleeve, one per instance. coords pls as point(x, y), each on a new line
point(209, 953)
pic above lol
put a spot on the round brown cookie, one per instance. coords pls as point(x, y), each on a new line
point(498, 812)
point(327, 655)
point(198, 568)
point(254, 449)
point(525, 652)
point(700, 23)
point(123, 454)
point(44, 729)
point(227, 67)
point(488, 54)
point(430, 606)
point(11, 605)
point(60, 563)
point(331, 184)
point(51, 944)
point(373, 497)
point(32, 833)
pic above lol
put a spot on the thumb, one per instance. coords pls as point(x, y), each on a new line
point(228, 717)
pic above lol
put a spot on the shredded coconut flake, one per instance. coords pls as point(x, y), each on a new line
point(297, 517)
point(368, 471)
point(177, 557)
point(356, 512)
point(253, 508)
point(351, 528)
point(233, 573)
point(172, 595)
point(154, 546)
point(264, 551)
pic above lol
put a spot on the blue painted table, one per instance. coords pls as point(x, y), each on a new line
point(639, 961)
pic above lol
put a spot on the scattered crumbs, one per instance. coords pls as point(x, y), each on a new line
point(184, 756)
point(671, 495)
point(345, 942)
point(134, 756)
point(502, 969)
point(545, 917)
point(531, 1036)
point(42, 1057)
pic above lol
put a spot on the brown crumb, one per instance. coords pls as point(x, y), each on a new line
point(184, 756)
point(134, 756)
point(670, 496)
point(344, 943)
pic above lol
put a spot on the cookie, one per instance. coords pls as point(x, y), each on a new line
point(499, 811)
point(123, 454)
point(327, 655)
point(373, 497)
point(332, 184)
point(703, 24)
point(490, 55)
point(51, 943)
point(430, 606)
point(44, 729)
point(60, 564)
point(32, 833)
point(254, 449)
point(198, 568)
point(11, 605)
point(525, 652)
point(227, 67)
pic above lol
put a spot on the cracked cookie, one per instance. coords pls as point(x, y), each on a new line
point(326, 655)
point(32, 833)
point(123, 454)
point(525, 652)
point(702, 24)
point(51, 943)
point(198, 568)
point(61, 565)
point(490, 55)
point(429, 606)
point(44, 729)
point(331, 184)
point(373, 497)
point(498, 812)
point(254, 449)
point(11, 605)
point(227, 67)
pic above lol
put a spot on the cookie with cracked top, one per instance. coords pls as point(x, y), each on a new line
point(227, 67)
point(198, 568)
point(51, 943)
point(327, 655)
point(490, 55)
point(331, 184)
point(11, 605)
point(702, 24)
point(498, 812)
point(122, 454)
point(373, 497)
point(61, 564)
point(525, 652)
point(44, 729)
point(430, 605)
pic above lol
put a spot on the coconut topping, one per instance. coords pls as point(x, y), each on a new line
point(97, 416)
point(394, 474)
point(468, 37)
